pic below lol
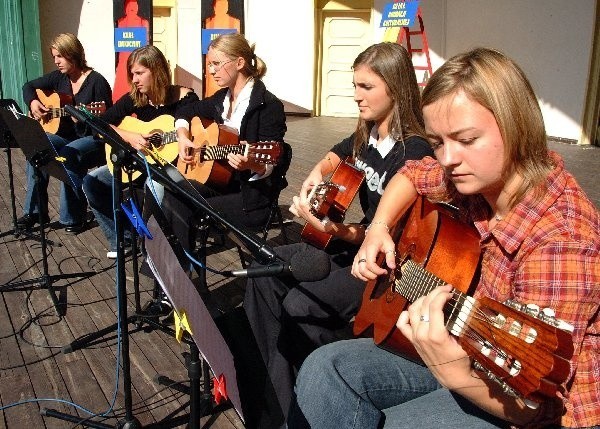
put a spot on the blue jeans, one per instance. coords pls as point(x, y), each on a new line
point(80, 155)
point(98, 187)
point(355, 384)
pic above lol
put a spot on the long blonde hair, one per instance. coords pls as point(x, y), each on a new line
point(391, 62)
point(69, 46)
point(496, 82)
point(152, 58)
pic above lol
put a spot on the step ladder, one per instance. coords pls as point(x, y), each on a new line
point(415, 46)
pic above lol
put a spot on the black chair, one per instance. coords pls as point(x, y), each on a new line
point(275, 217)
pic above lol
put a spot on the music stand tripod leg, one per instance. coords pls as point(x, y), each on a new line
point(46, 281)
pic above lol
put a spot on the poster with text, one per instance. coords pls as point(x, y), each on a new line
point(133, 29)
point(218, 17)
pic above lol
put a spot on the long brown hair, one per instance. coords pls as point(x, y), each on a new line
point(69, 46)
point(391, 62)
point(152, 58)
point(496, 82)
point(234, 45)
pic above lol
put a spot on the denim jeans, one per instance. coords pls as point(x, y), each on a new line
point(98, 187)
point(79, 155)
point(355, 384)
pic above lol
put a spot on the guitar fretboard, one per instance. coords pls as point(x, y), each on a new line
point(213, 153)
point(415, 281)
point(159, 139)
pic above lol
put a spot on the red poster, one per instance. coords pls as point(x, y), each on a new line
point(129, 14)
point(220, 14)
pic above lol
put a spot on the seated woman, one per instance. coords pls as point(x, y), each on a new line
point(244, 105)
point(72, 141)
point(151, 95)
point(290, 318)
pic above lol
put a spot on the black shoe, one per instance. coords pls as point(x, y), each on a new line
point(76, 228)
point(29, 220)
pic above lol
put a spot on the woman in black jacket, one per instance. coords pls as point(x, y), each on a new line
point(244, 105)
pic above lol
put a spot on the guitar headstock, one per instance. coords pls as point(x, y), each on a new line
point(95, 108)
point(265, 152)
point(526, 350)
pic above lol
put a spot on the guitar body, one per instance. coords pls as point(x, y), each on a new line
point(214, 173)
point(441, 244)
point(51, 99)
point(331, 200)
point(520, 347)
point(162, 125)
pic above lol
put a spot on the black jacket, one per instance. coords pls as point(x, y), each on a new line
point(264, 120)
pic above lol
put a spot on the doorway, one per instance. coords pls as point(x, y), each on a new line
point(344, 34)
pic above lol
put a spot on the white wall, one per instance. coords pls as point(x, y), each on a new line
point(284, 34)
point(91, 21)
point(550, 39)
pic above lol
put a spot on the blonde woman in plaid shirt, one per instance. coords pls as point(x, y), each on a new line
point(539, 237)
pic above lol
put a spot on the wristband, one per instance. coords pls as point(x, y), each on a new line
point(378, 222)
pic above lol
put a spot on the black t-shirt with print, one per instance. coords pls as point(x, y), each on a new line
point(378, 170)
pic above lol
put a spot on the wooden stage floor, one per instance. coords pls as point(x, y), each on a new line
point(33, 368)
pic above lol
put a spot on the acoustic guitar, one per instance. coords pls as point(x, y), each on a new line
point(55, 102)
point(216, 141)
point(331, 199)
point(162, 142)
point(521, 347)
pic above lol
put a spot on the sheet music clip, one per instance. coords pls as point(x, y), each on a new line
point(134, 216)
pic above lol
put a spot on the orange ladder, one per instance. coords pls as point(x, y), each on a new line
point(406, 33)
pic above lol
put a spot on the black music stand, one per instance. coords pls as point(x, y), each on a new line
point(32, 139)
point(123, 155)
point(7, 141)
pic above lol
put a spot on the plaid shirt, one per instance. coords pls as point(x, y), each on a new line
point(545, 251)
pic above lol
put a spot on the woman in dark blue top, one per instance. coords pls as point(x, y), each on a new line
point(290, 318)
point(72, 141)
point(151, 95)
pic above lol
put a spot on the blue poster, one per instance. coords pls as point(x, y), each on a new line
point(399, 14)
point(128, 39)
point(209, 34)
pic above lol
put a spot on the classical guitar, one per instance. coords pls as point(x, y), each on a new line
point(55, 103)
point(216, 141)
point(523, 348)
point(162, 141)
point(330, 199)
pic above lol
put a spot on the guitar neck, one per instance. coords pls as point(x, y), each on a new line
point(214, 153)
point(416, 282)
point(57, 112)
point(158, 140)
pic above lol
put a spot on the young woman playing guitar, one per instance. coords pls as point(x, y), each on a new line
point(150, 96)
point(244, 105)
point(290, 318)
point(75, 80)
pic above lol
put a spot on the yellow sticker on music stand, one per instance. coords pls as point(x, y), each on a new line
point(60, 159)
point(181, 324)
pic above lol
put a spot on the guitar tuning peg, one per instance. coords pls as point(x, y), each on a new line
point(532, 309)
point(549, 312)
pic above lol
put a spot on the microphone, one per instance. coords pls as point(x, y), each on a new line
point(304, 266)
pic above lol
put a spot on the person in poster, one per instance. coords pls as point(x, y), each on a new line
point(222, 14)
point(131, 19)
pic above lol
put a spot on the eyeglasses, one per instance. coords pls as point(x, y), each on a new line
point(217, 65)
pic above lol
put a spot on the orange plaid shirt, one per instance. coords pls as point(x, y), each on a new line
point(547, 252)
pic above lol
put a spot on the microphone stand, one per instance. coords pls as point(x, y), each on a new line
point(170, 178)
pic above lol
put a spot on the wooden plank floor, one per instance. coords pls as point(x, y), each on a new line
point(33, 368)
